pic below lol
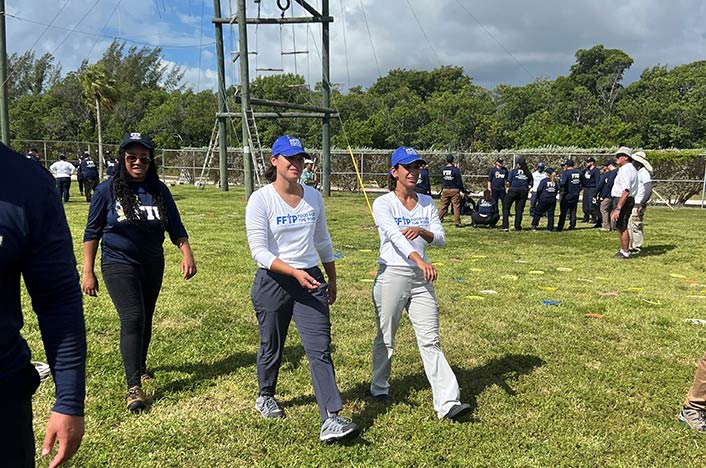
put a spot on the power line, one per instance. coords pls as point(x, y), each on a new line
point(424, 33)
point(370, 36)
point(88, 12)
point(345, 42)
point(496, 40)
point(105, 25)
point(198, 75)
point(121, 38)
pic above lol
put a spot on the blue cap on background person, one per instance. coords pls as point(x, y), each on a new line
point(62, 156)
point(405, 155)
point(610, 162)
point(288, 146)
point(569, 163)
point(549, 170)
point(540, 165)
point(136, 137)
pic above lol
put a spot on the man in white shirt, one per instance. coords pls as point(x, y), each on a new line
point(63, 170)
point(623, 193)
point(644, 192)
point(537, 176)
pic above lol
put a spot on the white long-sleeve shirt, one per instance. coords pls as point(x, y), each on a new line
point(643, 178)
point(391, 217)
point(625, 180)
point(276, 230)
point(62, 168)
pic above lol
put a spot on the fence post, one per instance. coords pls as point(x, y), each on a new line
point(703, 189)
point(46, 160)
point(164, 178)
point(362, 168)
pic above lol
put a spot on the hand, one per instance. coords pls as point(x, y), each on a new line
point(89, 284)
point(411, 233)
point(614, 215)
point(188, 267)
point(306, 281)
point(640, 209)
point(428, 270)
point(68, 431)
point(332, 292)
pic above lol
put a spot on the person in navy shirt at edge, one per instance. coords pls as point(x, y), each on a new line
point(486, 211)
point(589, 183)
point(287, 234)
point(451, 191)
point(130, 213)
point(545, 200)
point(604, 198)
point(497, 176)
point(35, 243)
point(90, 175)
point(519, 183)
point(569, 188)
point(424, 182)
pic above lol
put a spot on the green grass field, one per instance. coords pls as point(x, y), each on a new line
point(549, 386)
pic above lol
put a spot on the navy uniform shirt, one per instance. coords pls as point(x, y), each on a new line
point(89, 169)
point(497, 178)
point(519, 180)
point(547, 191)
point(570, 184)
point(486, 208)
point(452, 178)
point(127, 243)
point(589, 177)
point(110, 168)
point(607, 186)
point(35, 243)
point(423, 182)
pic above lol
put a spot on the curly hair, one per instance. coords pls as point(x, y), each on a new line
point(122, 191)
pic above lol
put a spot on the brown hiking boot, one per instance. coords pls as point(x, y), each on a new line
point(136, 399)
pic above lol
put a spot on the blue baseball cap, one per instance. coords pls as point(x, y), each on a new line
point(288, 146)
point(541, 165)
point(405, 155)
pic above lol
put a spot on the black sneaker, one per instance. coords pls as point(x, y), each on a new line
point(457, 411)
point(695, 419)
point(381, 398)
point(336, 428)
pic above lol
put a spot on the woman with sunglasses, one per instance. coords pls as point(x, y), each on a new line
point(407, 222)
point(130, 213)
point(287, 234)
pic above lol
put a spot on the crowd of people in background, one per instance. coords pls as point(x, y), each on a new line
point(547, 187)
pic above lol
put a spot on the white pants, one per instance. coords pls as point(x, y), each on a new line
point(635, 228)
point(395, 289)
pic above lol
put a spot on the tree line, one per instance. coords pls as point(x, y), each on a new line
point(590, 107)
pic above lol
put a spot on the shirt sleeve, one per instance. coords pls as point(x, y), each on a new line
point(510, 177)
point(49, 270)
point(97, 215)
point(385, 221)
point(435, 227)
point(322, 237)
point(256, 226)
point(175, 227)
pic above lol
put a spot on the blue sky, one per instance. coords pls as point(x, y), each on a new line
point(506, 41)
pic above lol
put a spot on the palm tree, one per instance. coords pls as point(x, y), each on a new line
point(99, 89)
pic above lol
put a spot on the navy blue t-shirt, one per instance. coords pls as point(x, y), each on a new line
point(497, 178)
point(423, 182)
point(89, 169)
point(547, 191)
point(486, 208)
point(571, 184)
point(452, 178)
point(519, 180)
point(127, 243)
point(589, 177)
point(607, 185)
point(35, 243)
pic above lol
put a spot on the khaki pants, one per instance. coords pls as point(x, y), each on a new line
point(635, 227)
point(696, 398)
point(606, 208)
point(450, 196)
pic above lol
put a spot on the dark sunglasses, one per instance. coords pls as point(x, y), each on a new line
point(412, 166)
point(131, 158)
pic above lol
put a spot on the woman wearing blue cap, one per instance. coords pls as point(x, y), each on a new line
point(287, 234)
point(130, 213)
point(407, 222)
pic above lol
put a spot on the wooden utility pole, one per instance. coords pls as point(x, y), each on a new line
point(222, 136)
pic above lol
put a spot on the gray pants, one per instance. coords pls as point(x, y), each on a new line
point(395, 289)
point(277, 298)
point(635, 227)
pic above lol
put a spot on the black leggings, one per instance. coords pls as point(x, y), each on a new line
point(134, 291)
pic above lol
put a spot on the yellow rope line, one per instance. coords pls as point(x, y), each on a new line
point(360, 180)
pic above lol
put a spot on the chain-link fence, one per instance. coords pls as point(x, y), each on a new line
point(675, 182)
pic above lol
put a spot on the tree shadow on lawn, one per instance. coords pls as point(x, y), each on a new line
point(473, 382)
point(655, 250)
point(200, 371)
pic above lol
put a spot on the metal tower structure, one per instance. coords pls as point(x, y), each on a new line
point(247, 116)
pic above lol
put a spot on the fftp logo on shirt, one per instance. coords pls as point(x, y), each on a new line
point(308, 217)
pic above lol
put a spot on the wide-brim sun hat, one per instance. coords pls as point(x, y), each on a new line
point(641, 157)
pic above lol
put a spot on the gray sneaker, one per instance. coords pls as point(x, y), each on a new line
point(336, 428)
point(268, 407)
point(695, 419)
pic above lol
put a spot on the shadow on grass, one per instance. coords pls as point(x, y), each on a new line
point(473, 382)
point(201, 372)
point(654, 250)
